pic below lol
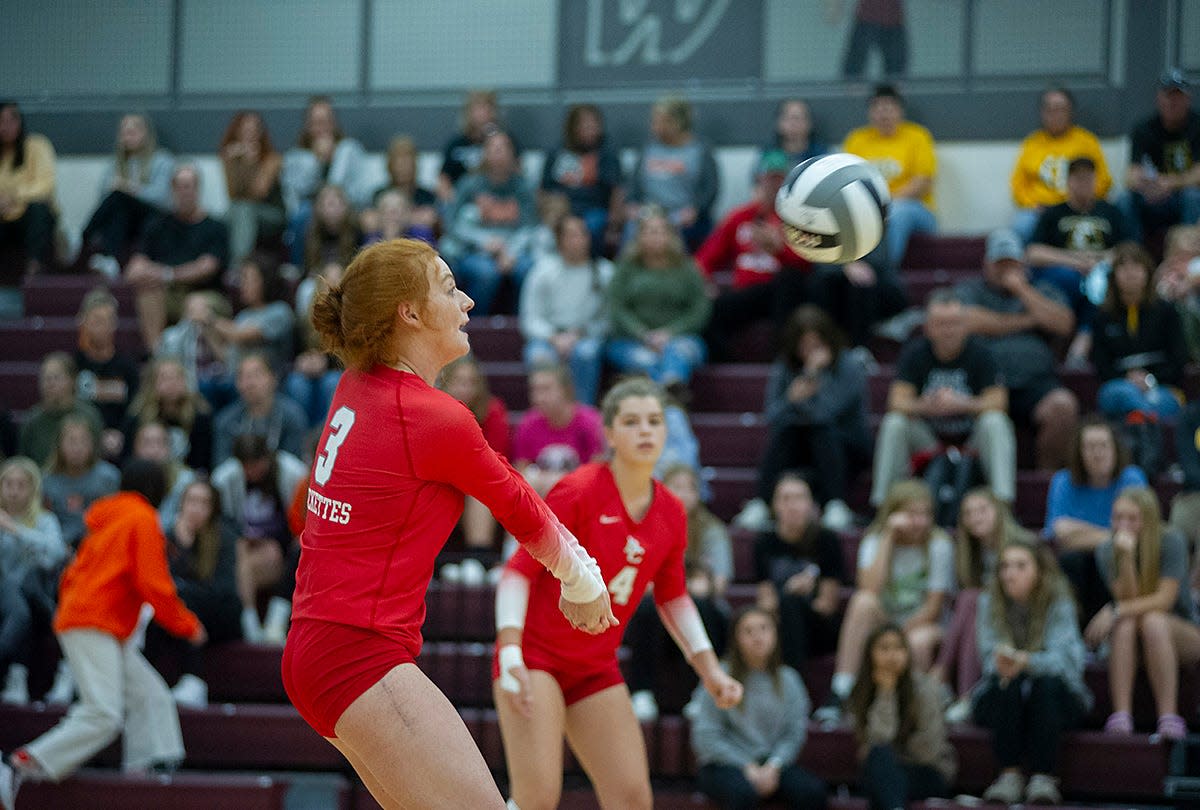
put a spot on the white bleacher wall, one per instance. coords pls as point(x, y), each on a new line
point(971, 188)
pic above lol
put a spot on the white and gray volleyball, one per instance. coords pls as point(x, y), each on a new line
point(833, 208)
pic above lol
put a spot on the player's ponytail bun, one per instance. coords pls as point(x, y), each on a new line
point(356, 319)
point(327, 318)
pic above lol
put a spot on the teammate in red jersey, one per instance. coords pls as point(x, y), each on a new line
point(394, 462)
point(552, 680)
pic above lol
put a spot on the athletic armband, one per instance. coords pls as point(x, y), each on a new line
point(682, 621)
point(510, 657)
point(512, 600)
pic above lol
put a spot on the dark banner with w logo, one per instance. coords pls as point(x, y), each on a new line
point(608, 43)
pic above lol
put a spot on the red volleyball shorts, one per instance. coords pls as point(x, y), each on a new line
point(575, 682)
point(327, 666)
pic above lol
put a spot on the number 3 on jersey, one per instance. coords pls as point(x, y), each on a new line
point(621, 586)
point(339, 429)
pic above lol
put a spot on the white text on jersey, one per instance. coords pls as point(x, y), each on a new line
point(328, 508)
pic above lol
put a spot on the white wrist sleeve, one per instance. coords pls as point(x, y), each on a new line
point(682, 621)
point(558, 550)
point(509, 657)
point(583, 582)
point(512, 600)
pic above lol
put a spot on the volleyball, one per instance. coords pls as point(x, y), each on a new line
point(833, 208)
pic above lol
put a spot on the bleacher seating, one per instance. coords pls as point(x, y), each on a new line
point(266, 737)
point(106, 790)
point(249, 726)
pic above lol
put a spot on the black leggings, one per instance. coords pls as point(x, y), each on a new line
point(116, 223)
point(734, 310)
point(1027, 716)
point(804, 632)
point(33, 230)
point(838, 455)
point(1091, 591)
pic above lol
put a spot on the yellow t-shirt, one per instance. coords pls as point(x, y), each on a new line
point(901, 157)
point(33, 181)
point(1040, 176)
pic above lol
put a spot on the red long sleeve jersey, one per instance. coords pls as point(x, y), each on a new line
point(631, 555)
point(387, 488)
point(731, 244)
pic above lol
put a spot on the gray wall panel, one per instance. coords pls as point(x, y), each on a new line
point(77, 48)
point(1189, 34)
point(299, 46)
point(463, 43)
point(1036, 37)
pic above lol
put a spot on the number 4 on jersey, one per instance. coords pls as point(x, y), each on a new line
point(339, 429)
point(621, 586)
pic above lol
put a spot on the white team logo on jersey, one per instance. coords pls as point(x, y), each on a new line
point(608, 520)
point(634, 551)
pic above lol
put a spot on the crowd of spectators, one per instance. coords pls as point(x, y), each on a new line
point(609, 274)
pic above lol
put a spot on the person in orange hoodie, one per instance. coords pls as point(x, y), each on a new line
point(121, 564)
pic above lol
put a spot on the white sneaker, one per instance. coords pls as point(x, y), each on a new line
point(63, 690)
point(958, 712)
point(836, 516)
point(645, 707)
point(16, 686)
point(1009, 788)
point(10, 782)
point(755, 516)
point(252, 630)
point(275, 626)
point(190, 692)
point(473, 573)
point(1042, 789)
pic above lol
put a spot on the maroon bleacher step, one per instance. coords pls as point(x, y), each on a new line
point(931, 251)
point(108, 790)
point(250, 737)
point(61, 295)
point(33, 337)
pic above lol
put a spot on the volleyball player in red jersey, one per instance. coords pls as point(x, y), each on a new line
point(387, 487)
point(552, 680)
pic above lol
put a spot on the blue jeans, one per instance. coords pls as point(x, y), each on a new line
point(481, 278)
point(584, 362)
point(296, 231)
point(313, 394)
point(890, 782)
point(1070, 281)
point(1182, 207)
point(12, 303)
point(1120, 397)
point(729, 789)
point(1024, 222)
point(596, 220)
point(675, 364)
point(905, 217)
